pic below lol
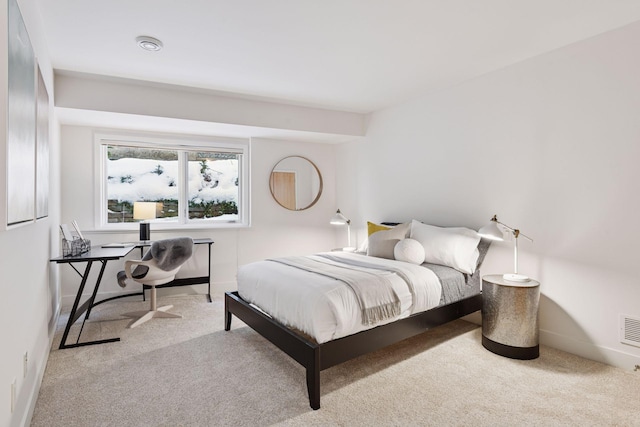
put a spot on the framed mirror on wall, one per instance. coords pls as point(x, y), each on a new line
point(295, 183)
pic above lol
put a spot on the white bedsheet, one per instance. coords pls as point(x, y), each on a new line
point(325, 308)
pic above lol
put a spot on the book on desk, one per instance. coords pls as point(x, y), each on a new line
point(118, 245)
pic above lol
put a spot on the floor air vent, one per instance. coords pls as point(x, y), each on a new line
point(630, 330)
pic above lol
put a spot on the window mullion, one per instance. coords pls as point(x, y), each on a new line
point(183, 193)
point(101, 187)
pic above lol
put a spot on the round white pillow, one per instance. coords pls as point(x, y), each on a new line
point(409, 250)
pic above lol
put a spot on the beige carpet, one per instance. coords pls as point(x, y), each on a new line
point(190, 372)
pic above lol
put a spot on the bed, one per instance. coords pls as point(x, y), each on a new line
point(286, 301)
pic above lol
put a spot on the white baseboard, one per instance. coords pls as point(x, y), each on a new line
point(40, 369)
point(589, 350)
point(222, 287)
point(67, 300)
point(217, 288)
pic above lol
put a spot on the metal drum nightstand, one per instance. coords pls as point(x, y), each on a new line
point(510, 317)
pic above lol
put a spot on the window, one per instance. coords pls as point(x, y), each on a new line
point(182, 182)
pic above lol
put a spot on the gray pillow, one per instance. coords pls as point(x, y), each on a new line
point(382, 243)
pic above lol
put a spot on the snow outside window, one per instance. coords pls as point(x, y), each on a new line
point(191, 186)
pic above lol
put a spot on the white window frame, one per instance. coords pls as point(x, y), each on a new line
point(182, 142)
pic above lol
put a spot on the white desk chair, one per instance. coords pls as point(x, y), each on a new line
point(157, 267)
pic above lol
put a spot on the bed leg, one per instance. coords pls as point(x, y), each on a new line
point(313, 380)
point(313, 385)
point(227, 323)
point(227, 315)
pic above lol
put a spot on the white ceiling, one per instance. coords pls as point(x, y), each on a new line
point(351, 55)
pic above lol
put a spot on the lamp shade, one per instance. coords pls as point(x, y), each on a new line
point(339, 219)
point(144, 210)
point(491, 231)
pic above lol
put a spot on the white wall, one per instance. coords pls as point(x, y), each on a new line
point(274, 230)
point(551, 146)
point(30, 291)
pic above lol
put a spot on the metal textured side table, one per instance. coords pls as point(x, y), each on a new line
point(510, 317)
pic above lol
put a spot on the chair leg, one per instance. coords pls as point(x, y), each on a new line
point(152, 298)
point(147, 316)
point(155, 311)
point(161, 313)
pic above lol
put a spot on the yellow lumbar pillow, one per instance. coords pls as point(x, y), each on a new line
point(372, 228)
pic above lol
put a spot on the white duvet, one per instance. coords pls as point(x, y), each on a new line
point(326, 308)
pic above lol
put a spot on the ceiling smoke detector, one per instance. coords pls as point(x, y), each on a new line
point(149, 43)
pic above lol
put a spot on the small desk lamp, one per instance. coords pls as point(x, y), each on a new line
point(339, 219)
point(492, 232)
point(143, 211)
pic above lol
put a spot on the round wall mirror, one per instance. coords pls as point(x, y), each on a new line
point(295, 183)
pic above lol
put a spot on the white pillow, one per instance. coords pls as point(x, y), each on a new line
point(409, 250)
point(455, 247)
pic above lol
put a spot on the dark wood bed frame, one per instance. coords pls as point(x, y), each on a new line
point(317, 357)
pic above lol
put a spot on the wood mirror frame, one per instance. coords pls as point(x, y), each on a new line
point(295, 183)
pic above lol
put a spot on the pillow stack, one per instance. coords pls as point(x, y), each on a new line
point(455, 247)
